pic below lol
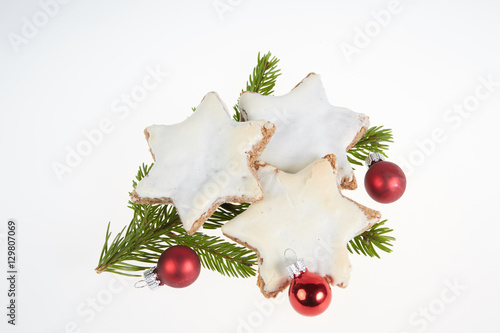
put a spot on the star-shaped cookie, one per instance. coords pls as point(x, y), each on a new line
point(304, 212)
point(202, 162)
point(308, 127)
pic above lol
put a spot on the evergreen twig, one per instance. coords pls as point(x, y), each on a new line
point(374, 141)
point(376, 237)
point(225, 212)
point(155, 227)
point(264, 75)
point(262, 80)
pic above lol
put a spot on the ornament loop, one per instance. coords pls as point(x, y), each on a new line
point(140, 284)
point(290, 255)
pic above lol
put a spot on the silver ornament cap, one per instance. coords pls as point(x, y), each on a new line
point(150, 279)
point(296, 268)
point(374, 158)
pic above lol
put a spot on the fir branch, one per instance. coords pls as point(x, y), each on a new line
point(263, 78)
point(225, 212)
point(376, 237)
point(137, 242)
point(218, 255)
point(156, 227)
point(374, 141)
point(264, 75)
point(143, 171)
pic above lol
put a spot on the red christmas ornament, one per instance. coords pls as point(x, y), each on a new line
point(309, 293)
point(178, 266)
point(385, 182)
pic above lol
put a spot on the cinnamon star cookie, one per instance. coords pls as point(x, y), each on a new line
point(304, 212)
point(202, 162)
point(308, 127)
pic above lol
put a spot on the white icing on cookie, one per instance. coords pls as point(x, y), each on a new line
point(203, 162)
point(304, 212)
point(307, 127)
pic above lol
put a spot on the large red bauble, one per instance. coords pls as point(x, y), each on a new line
point(385, 182)
point(178, 266)
point(309, 294)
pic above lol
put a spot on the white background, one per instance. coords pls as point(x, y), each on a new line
point(65, 77)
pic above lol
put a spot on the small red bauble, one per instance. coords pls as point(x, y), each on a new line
point(310, 294)
point(385, 182)
point(178, 266)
